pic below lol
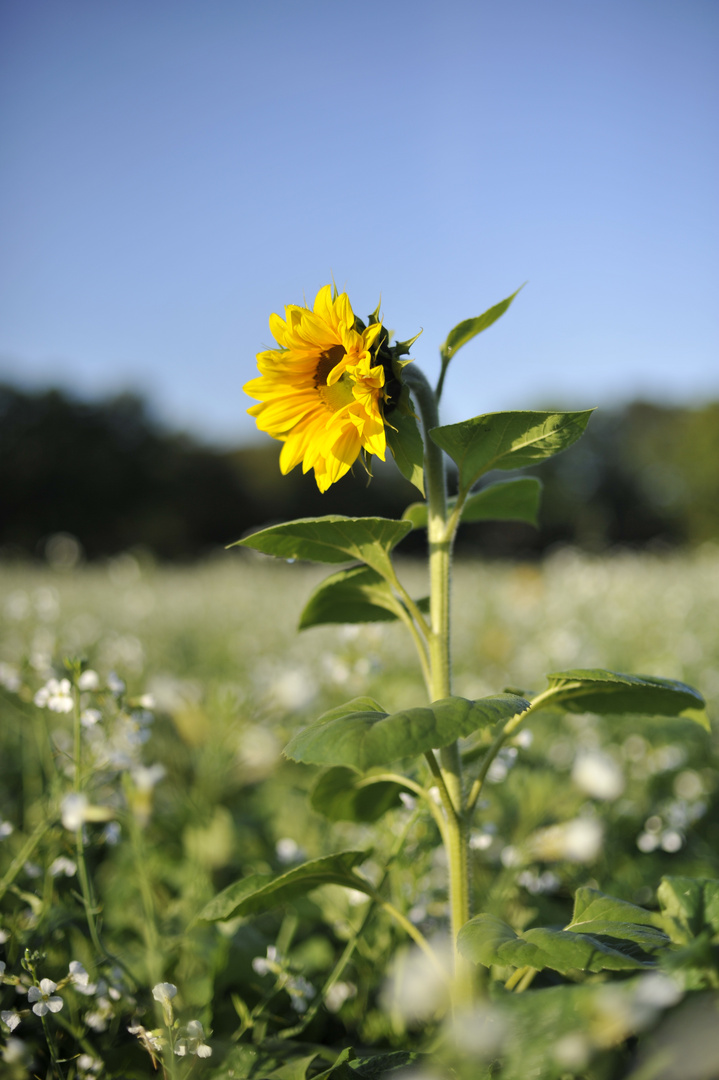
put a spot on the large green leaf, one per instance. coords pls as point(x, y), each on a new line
point(332, 539)
point(258, 892)
point(405, 441)
point(689, 906)
point(507, 440)
point(469, 328)
point(361, 735)
point(487, 940)
point(605, 916)
point(613, 693)
point(508, 500)
point(341, 795)
point(356, 595)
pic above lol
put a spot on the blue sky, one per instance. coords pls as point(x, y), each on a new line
point(175, 171)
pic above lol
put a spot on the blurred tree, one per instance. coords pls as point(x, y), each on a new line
point(108, 474)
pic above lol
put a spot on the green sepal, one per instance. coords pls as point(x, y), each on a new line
point(487, 940)
point(612, 693)
point(405, 441)
point(340, 795)
point(332, 539)
point(507, 440)
point(258, 892)
point(507, 500)
point(469, 328)
point(356, 595)
point(361, 735)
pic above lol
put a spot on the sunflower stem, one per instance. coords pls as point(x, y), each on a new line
point(440, 533)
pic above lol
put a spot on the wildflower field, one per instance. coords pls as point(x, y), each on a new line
point(187, 684)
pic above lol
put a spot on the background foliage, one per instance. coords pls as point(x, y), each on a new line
point(107, 474)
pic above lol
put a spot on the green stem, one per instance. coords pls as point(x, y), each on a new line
point(24, 854)
point(440, 534)
point(509, 728)
point(397, 778)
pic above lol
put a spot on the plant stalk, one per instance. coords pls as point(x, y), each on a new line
point(440, 536)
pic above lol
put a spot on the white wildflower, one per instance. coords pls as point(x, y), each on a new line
point(5, 828)
point(301, 992)
point(264, 965)
point(151, 1041)
point(11, 1018)
point(598, 775)
point(16, 1052)
point(56, 696)
point(145, 777)
point(63, 865)
point(338, 994)
point(115, 684)
point(73, 810)
point(164, 993)
point(288, 850)
point(9, 677)
point(192, 1041)
point(79, 977)
point(90, 717)
point(579, 840)
point(45, 998)
point(89, 680)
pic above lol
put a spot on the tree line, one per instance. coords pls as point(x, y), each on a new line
point(108, 474)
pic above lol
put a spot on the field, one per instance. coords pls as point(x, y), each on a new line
point(185, 776)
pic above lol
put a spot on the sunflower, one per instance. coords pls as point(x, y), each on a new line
point(322, 392)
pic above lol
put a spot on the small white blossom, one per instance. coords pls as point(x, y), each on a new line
point(89, 680)
point(145, 777)
point(10, 1017)
point(16, 1052)
point(193, 1041)
point(288, 850)
point(79, 976)
point(115, 684)
point(164, 993)
point(598, 775)
point(6, 828)
point(45, 998)
point(9, 678)
point(149, 1039)
point(63, 865)
point(56, 696)
point(90, 717)
point(264, 965)
point(99, 1018)
point(73, 810)
point(300, 991)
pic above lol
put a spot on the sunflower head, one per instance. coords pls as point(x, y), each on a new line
point(326, 390)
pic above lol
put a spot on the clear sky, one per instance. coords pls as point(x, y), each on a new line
point(174, 170)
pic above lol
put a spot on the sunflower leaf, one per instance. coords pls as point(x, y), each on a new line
point(469, 328)
point(258, 892)
point(356, 595)
point(487, 940)
point(508, 500)
point(612, 693)
point(361, 736)
point(341, 795)
point(507, 440)
point(332, 539)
